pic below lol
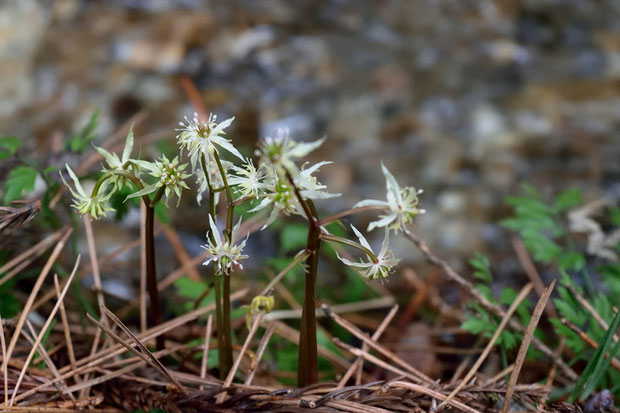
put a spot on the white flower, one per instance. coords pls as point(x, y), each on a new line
point(224, 254)
point(309, 186)
point(371, 269)
point(169, 175)
point(118, 164)
point(202, 137)
point(95, 205)
point(248, 179)
point(281, 151)
point(402, 204)
point(280, 195)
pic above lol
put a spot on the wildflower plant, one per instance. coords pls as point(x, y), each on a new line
point(278, 181)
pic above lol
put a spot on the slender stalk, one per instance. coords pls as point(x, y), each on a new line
point(224, 362)
point(151, 273)
point(346, 213)
point(226, 350)
point(308, 371)
point(344, 241)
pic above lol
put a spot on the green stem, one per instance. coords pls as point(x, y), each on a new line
point(347, 212)
point(344, 241)
point(226, 351)
point(308, 369)
point(222, 303)
point(151, 274)
point(151, 269)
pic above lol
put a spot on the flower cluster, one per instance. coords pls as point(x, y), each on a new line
point(95, 205)
point(169, 177)
point(121, 171)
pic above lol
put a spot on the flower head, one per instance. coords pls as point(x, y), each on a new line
point(281, 151)
point(114, 163)
point(223, 251)
point(169, 175)
point(248, 179)
point(280, 195)
point(202, 138)
point(372, 269)
point(84, 204)
point(402, 204)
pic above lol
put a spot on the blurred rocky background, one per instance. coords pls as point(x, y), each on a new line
point(466, 99)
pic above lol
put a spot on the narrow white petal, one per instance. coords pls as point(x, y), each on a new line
point(361, 237)
point(386, 220)
point(128, 145)
point(76, 181)
point(371, 202)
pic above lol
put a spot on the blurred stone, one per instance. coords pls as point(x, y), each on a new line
point(22, 25)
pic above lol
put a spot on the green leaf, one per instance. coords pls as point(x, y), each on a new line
point(614, 216)
point(78, 142)
point(477, 325)
point(597, 366)
point(568, 199)
point(293, 237)
point(543, 249)
point(20, 180)
point(189, 288)
point(572, 261)
point(161, 212)
point(480, 263)
point(9, 304)
point(8, 146)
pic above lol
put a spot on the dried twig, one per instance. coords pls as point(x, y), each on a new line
point(525, 344)
point(585, 337)
point(532, 273)
point(98, 287)
point(5, 372)
point(433, 394)
point(42, 332)
point(513, 307)
point(358, 363)
point(65, 325)
point(261, 350)
point(235, 366)
point(89, 363)
point(450, 272)
point(39, 247)
point(143, 350)
point(205, 349)
point(45, 356)
point(385, 352)
point(35, 290)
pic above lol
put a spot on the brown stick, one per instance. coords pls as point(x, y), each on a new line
point(5, 372)
point(525, 344)
point(261, 349)
point(35, 289)
point(42, 332)
point(497, 310)
point(358, 363)
point(513, 307)
point(433, 394)
point(205, 349)
point(585, 337)
point(385, 352)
